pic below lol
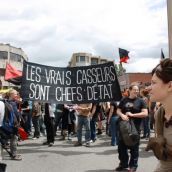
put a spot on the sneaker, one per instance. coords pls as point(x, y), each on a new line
point(16, 157)
point(78, 144)
point(34, 138)
point(120, 168)
point(143, 137)
point(69, 138)
point(113, 144)
point(51, 144)
point(45, 143)
point(91, 141)
point(87, 144)
point(132, 169)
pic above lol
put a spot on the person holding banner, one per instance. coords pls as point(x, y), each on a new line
point(83, 120)
point(49, 123)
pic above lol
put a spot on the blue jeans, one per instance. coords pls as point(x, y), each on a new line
point(36, 125)
point(146, 126)
point(93, 129)
point(114, 130)
point(83, 121)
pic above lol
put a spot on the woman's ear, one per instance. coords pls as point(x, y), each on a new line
point(170, 86)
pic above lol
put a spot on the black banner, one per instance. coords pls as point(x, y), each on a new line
point(85, 84)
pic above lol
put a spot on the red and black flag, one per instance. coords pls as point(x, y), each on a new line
point(123, 54)
point(162, 55)
point(13, 75)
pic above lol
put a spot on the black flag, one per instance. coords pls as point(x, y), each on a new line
point(123, 54)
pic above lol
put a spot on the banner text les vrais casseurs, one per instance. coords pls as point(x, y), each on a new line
point(95, 83)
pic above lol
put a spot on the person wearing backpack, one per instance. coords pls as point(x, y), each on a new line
point(134, 108)
point(2, 111)
point(13, 98)
point(161, 91)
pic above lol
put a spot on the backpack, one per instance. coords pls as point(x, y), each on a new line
point(129, 132)
point(158, 144)
point(8, 121)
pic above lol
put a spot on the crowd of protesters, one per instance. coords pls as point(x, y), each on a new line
point(37, 119)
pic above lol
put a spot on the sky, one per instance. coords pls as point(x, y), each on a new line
point(50, 31)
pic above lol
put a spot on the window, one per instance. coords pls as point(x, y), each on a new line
point(15, 57)
point(94, 61)
point(3, 55)
point(2, 72)
point(103, 61)
point(82, 58)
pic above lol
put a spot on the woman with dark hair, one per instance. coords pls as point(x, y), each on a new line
point(161, 91)
point(135, 108)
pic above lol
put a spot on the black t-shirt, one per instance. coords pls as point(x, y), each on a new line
point(134, 106)
point(97, 111)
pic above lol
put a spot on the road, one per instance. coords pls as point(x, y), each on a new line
point(64, 157)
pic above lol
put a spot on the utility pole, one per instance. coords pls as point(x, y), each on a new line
point(169, 16)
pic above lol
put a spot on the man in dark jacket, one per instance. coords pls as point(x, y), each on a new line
point(13, 96)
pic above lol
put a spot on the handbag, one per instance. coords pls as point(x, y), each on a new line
point(129, 133)
point(22, 133)
point(158, 144)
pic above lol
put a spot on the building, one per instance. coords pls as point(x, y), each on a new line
point(14, 56)
point(128, 78)
point(85, 59)
point(169, 13)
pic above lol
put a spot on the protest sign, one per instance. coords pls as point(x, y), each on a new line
point(85, 84)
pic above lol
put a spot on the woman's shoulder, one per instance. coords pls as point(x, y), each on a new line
point(159, 114)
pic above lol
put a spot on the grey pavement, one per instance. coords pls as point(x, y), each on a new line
point(64, 157)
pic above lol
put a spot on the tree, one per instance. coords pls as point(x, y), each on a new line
point(121, 70)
